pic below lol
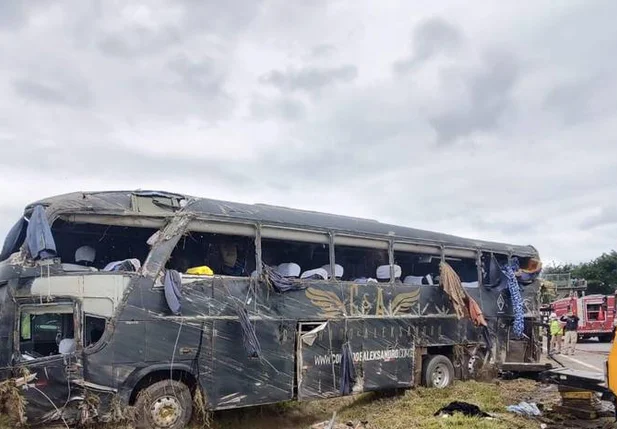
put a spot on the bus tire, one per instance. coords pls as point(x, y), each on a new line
point(166, 404)
point(438, 372)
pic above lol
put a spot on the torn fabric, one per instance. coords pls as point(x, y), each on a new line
point(509, 271)
point(173, 292)
point(278, 282)
point(39, 239)
point(14, 239)
point(348, 370)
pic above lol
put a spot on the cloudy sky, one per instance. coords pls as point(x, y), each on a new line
point(487, 119)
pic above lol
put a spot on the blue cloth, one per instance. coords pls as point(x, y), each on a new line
point(515, 294)
point(348, 370)
point(173, 292)
point(14, 239)
point(39, 238)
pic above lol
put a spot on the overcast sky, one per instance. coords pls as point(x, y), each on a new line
point(493, 120)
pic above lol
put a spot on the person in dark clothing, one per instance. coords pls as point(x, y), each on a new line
point(571, 335)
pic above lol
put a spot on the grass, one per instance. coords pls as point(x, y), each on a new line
point(409, 409)
point(412, 409)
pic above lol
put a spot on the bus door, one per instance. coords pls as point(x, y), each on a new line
point(47, 357)
point(315, 361)
point(319, 356)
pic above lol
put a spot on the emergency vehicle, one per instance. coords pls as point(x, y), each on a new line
point(596, 315)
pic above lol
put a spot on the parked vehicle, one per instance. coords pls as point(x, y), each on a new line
point(596, 315)
point(154, 300)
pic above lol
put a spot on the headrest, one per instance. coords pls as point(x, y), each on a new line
point(289, 269)
point(85, 254)
point(413, 280)
point(317, 273)
point(67, 346)
point(338, 270)
point(383, 272)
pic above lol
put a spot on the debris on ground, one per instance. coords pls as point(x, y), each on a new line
point(525, 409)
point(331, 424)
point(467, 409)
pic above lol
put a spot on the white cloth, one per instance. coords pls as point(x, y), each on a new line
point(316, 272)
point(338, 270)
point(413, 280)
point(85, 254)
point(469, 284)
point(135, 262)
point(383, 272)
point(364, 280)
point(289, 269)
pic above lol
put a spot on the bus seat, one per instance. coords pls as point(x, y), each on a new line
point(317, 274)
point(338, 270)
point(383, 272)
point(289, 269)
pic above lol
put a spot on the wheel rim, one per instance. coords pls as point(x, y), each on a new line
point(166, 411)
point(440, 376)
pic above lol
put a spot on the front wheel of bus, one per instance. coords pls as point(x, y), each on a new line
point(438, 372)
point(164, 405)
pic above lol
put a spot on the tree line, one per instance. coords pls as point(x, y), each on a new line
point(600, 273)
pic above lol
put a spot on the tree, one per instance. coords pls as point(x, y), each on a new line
point(601, 273)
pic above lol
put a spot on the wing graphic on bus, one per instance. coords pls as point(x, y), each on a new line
point(329, 302)
point(403, 302)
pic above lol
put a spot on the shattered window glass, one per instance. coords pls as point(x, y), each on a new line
point(46, 334)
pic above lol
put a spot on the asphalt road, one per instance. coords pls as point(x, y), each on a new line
point(590, 355)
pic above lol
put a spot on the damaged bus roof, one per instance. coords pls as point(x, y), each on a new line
point(164, 204)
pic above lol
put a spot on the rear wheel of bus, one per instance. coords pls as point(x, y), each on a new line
point(166, 404)
point(438, 371)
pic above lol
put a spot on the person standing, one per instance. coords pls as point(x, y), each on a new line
point(571, 336)
point(556, 334)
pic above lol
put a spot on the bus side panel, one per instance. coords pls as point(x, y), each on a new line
point(388, 357)
point(241, 380)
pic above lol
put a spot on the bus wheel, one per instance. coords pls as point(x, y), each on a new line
point(164, 405)
point(438, 372)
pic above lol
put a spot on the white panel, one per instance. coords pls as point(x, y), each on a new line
point(222, 228)
point(423, 249)
point(343, 240)
point(294, 235)
point(461, 253)
point(100, 293)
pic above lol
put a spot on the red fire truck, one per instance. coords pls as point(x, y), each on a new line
point(596, 315)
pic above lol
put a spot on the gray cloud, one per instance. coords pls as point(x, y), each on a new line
point(309, 78)
point(12, 14)
point(287, 109)
point(62, 93)
point(75, 162)
point(583, 99)
point(431, 37)
point(488, 97)
point(607, 216)
point(323, 50)
point(135, 42)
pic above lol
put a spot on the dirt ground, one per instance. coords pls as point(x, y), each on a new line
point(407, 409)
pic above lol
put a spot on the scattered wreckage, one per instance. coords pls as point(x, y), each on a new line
point(152, 302)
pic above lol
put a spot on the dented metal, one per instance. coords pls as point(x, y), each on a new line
point(389, 327)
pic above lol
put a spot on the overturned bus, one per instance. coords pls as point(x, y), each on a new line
point(152, 302)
